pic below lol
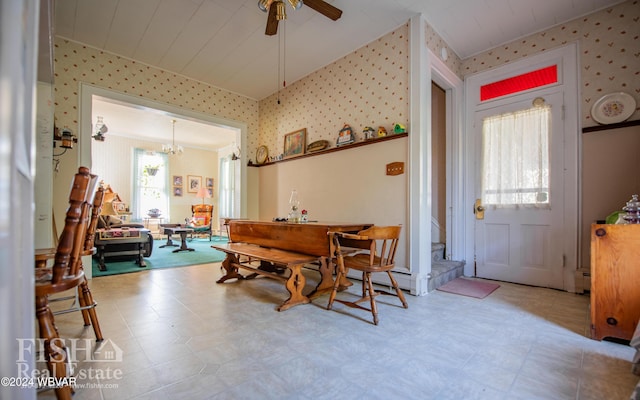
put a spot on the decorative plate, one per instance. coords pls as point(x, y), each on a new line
point(261, 154)
point(317, 146)
point(613, 107)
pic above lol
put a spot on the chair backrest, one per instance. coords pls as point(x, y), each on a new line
point(202, 214)
point(71, 241)
point(96, 208)
point(386, 238)
point(381, 241)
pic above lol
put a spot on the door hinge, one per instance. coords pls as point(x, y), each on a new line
point(564, 261)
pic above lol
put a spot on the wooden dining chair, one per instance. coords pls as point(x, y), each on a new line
point(82, 298)
point(65, 274)
point(378, 245)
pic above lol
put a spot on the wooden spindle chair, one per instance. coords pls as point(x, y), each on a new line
point(65, 274)
point(368, 261)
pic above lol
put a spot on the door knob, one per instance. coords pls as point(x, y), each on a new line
point(478, 209)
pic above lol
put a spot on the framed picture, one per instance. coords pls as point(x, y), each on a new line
point(193, 183)
point(210, 190)
point(295, 143)
point(177, 191)
point(209, 182)
point(177, 180)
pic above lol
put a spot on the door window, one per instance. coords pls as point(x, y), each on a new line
point(515, 158)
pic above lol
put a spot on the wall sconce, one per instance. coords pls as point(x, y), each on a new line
point(66, 138)
point(100, 130)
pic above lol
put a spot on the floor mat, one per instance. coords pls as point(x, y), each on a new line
point(469, 287)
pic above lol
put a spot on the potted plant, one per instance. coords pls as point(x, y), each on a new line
point(151, 170)
point(154, 212)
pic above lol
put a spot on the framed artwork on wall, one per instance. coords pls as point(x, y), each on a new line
point(295, 143)
point(193, 183)
point(177, 180)
point(177, 191)
point(209, 182)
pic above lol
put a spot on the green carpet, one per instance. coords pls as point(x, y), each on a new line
point(165, 258)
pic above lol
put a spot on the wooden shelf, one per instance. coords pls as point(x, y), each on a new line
point(334, 149)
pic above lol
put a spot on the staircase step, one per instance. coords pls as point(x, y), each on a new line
point(437, 252)
point(442, 270)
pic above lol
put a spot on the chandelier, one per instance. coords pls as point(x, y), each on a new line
point(172, 148)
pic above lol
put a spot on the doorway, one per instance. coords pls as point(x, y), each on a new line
point(89, 92)
point(541, 250)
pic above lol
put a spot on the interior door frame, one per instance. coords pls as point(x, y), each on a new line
point(566, 57)
point(85, 100)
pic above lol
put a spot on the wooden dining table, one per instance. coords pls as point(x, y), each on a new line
point(311, 238)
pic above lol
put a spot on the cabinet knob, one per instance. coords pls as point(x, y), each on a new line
point(612, 321)
point(600, 232)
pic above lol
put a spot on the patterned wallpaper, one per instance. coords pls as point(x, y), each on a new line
point(76, 63)
point(435, 43)
point(609, 60)
point(368, 87)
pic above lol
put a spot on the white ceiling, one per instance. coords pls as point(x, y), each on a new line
point(156, 126)
point(222, 42)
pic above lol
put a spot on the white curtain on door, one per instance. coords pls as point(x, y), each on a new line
point(515, 151)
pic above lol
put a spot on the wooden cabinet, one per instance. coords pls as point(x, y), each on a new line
point(615, 280)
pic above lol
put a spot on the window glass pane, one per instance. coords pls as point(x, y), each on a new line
point(515, 152)
point(151, 189)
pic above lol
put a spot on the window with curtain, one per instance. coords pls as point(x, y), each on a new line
point(227, 187)
point(151, 183)
point(515, 158)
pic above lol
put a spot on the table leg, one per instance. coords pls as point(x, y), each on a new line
point(169, 242)
point(326, 279)
point(183, 244)
point(295, 284)
point(230, 265)
point(101, 265)
point(140, 260)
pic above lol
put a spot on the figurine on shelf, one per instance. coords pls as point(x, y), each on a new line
point(382, 131)
point(399, 128)
point(369, 132)
point(345, 136)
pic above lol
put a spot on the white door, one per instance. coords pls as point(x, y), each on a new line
point(520, 237)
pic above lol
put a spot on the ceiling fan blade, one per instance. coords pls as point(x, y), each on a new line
point(272, 22)
point(324, 8)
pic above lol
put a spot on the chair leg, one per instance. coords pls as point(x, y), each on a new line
point(398, 291)
point(336, 284)
point(93, 315)
point(83, 305)
point(54, 350)
point(372, 297)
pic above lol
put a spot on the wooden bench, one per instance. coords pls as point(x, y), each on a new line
point(290, 260)
point(285, 245)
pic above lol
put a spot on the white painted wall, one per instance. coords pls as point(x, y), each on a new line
point(343, 186)
point(18, 50)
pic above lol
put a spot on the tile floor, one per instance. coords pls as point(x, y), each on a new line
point(185, 337)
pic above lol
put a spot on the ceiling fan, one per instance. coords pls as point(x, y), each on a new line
point(277, 11)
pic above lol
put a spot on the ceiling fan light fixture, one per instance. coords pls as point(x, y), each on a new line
point(281, 11)
point(263, 5)
point(296, 4)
